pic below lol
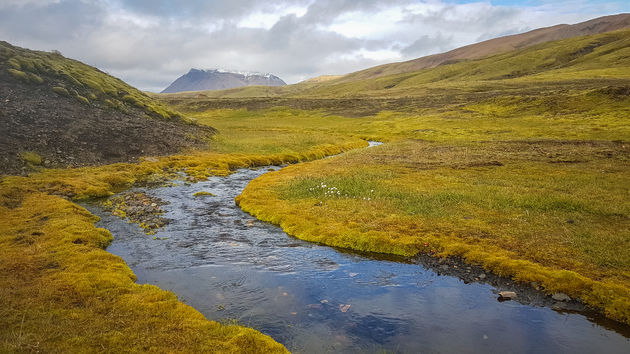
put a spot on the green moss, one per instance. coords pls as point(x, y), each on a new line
point(204, 193)
point(82, 99)
point(14, 64)
point(34, 78)
point(61, 91)
point(130, 99)
point(18, 74)
point(31, 157)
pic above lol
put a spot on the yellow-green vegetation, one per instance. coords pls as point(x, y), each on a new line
point(82, 80)
point(61, 291)
point(31, 157)
point(83, 99)
point(61, 91)
point(204, 193)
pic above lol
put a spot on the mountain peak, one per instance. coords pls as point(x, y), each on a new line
point(221, 79)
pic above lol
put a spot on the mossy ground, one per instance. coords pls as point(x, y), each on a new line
point(61, 291)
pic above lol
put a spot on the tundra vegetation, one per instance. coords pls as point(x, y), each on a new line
point(518, 162)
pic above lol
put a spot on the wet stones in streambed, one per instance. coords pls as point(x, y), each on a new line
point(139, 208)
point(505, 288)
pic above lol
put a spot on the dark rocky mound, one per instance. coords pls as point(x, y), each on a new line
point(201, 80)
point(57, 112)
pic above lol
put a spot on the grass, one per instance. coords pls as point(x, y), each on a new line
point(60, 289)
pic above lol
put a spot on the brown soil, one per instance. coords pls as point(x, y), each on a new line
point(67, 133)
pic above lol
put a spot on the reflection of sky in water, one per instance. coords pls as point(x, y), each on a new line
point(227, 265)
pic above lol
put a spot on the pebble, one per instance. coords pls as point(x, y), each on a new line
point(561, 297)
point(507, 295)
point(482, 276)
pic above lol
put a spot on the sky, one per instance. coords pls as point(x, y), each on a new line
point(150, 43)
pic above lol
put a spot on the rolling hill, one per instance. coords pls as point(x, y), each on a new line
point(59, 112)
point(497, 46)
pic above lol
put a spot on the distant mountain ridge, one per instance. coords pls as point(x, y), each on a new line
point(219, 79)
point(497, 46)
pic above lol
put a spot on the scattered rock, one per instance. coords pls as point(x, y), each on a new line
point(560, 297)
point(559, 306)
point(140, 209)
point(482, 276)
point(507, 295)
point(344, 308)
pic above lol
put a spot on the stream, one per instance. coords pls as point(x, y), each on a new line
point(315, 299)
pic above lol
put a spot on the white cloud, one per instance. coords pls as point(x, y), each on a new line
point(149, 43)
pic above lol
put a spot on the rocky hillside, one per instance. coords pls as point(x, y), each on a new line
point(217, 79)
point(58, 112)
point(498, 45)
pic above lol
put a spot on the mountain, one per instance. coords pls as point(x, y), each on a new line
point(218, 79)
point(59, 112)
point(497, 46)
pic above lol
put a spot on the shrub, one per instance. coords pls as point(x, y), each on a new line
point(61, 91)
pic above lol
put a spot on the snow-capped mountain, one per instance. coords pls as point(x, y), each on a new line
point(220, 79)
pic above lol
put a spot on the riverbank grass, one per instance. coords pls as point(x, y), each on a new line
point(61, 291)
point(551, 212)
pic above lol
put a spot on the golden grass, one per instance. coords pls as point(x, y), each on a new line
point(552, 212)
point(61, 291)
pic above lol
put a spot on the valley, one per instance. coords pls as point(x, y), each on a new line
point(514, 163)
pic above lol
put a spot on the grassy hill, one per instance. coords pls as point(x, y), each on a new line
point(497, 46)
point(59, 112)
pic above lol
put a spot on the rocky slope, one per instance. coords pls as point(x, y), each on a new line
point(58, 112)
point(217, 79)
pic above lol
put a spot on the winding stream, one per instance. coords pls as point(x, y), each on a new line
point(315, 299)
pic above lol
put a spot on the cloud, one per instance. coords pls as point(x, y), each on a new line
point(149, 43)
